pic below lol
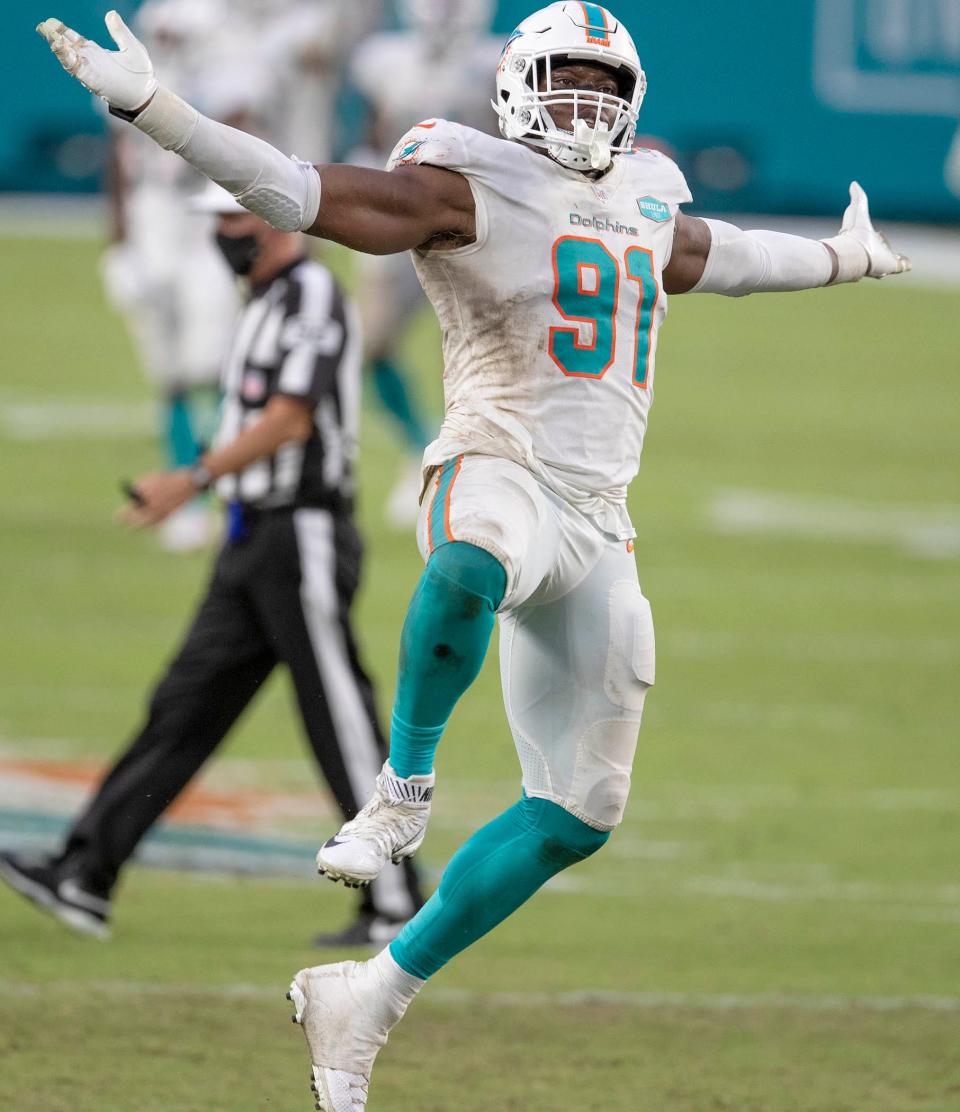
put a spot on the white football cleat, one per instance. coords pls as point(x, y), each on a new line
point(389, 828)
point(192, 528)
point(346, 1011)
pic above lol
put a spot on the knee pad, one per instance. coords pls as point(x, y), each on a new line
point(606, 748)
point(564, 839)
point(470, 568)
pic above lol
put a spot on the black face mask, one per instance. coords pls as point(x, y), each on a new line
point(240, 252)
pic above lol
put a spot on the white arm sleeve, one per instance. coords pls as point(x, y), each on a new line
point(754, 262)
point(283, 191)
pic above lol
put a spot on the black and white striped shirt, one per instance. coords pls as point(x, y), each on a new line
point(297, 336)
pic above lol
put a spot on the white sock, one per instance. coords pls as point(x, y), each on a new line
point(399, 986)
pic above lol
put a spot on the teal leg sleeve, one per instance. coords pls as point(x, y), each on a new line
point(489, 877)
point(442, 646)
point(180, 442)
point(203, 403)
point(398, 400)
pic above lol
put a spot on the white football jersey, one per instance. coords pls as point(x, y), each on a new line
point(550, 319)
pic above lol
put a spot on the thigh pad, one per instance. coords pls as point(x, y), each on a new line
point(575, 676)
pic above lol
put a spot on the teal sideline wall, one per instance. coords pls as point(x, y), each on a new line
point(810, 93)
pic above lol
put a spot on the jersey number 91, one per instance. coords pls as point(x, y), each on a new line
point(587, 291)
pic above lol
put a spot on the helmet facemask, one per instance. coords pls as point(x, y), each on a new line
point(604, 124)
point(599, 120)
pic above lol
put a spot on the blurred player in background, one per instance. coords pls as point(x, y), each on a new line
point(272, 68)
point(305, 45)
point(163, 271)
point(281, 590)
point(438, 65)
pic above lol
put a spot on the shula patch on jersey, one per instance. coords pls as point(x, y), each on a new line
point(653, 209)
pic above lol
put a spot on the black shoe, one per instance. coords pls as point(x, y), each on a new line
point(368, 929)
point(64, 896)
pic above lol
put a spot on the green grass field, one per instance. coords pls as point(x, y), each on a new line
point(776, 927)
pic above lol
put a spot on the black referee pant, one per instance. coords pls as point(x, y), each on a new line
point(281, 596)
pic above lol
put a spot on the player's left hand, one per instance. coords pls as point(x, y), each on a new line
point(124, 77)
point(882, 260)
point(160, 494)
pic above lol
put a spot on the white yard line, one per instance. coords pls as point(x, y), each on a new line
point(581, 998)
point(931, 532)
point(733, 802)
point(782, 890)
point(934, 904)
point(905, 647)
point(68, 419)
point(753, 715)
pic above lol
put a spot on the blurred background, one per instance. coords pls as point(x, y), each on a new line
point(767, 106)
point(776, 927)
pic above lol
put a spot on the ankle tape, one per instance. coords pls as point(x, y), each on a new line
point(405, 791)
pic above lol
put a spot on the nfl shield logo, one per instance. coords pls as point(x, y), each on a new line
point(653, 209)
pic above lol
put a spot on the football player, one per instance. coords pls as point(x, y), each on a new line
point(303, 41)
point(438, 65)
point(162, 271)
point(549, 256)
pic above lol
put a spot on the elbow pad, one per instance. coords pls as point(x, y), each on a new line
point(284, 192)
point(740, 263)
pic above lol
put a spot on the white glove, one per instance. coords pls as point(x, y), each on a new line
point(124, 77)
point(863, 252)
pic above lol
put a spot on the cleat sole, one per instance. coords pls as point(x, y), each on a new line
point(296, 997)
point(315, 1083)
point(345, 879)
point(299, 1001)
point(349, 880)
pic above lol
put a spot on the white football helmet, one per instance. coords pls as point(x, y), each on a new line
point(603, 125)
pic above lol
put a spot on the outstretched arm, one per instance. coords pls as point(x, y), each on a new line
point(382, 213)
point(368, 210)
point(711, 256)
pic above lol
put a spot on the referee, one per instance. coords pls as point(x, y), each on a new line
point(281, 588)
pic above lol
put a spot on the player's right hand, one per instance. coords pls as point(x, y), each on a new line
point(124, 77)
